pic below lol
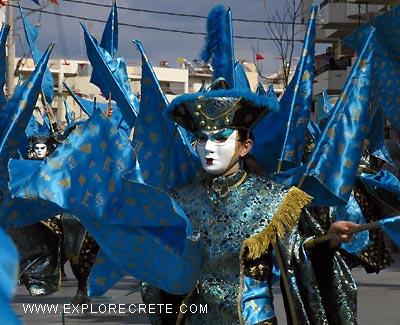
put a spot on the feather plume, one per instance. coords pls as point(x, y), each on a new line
point(218, 45)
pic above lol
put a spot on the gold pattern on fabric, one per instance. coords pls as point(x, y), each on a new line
point(100, 281)
point(45, 176)
point(86, 198)
point(29, 195)
point(285, 217)
point(22, 103)
point(106, 165)
point(66, 182)
point(82, 180)
point(56, 164)
point(86, 148)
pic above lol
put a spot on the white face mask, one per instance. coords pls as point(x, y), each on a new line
point(40, 150)
point(216, 150)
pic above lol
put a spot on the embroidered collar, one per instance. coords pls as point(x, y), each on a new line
point(220, 186)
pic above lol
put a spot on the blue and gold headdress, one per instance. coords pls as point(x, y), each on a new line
point(219, 108)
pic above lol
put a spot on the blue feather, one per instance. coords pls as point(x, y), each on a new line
point(218, 45)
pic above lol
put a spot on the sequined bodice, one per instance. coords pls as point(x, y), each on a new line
point(222, 225)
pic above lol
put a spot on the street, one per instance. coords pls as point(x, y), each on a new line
point(378, 302)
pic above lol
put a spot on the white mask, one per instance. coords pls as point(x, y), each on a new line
point(216, 150)
point(40, 150)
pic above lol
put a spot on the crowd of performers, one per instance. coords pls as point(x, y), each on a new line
point(242, 226)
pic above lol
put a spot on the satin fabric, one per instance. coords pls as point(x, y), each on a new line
point(165, 154)
point(94, 175)
point(329, 175)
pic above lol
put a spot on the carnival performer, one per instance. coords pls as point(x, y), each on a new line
point(235, 211)
point(40, 245)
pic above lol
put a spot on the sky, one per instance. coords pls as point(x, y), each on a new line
point(143, 20)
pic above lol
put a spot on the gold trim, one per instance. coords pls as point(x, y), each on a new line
point(229, 110)
point(285, 217)
point(240, 181)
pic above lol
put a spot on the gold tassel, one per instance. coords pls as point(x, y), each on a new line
point(284, 218)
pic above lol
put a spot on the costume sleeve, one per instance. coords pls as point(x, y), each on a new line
point(257, 298)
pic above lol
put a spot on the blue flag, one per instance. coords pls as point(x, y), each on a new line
point(376, 138)
point(16, 115)
point(95, 176)
point(5, 29)
point(9, 263)
point(329, 175)
point(109, 40)
point(114, 77)
point(31, 36)
point(32, 127)
point(391, 226)
point(287, 127)
point(165, 154)
point(89, 106)
point(386, 69)
point(298, 99)
point(68, 115)
point(326, 106)
point(109, 43)
point(352, 212)
point(85, 105)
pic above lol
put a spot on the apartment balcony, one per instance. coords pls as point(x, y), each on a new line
point(337, 18)
point(333, 15)
point(364, 12)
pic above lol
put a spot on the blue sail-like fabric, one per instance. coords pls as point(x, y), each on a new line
point(9, 263)
point(68, 115)
point(288, 125)
point(386, 69)
point(165, 153)
point(114, 75)
point(31, 36)
point(109, 39)
point(352, 212)
point(17, 113)
point(298, 98)
point(90, 176)
point(109, 43)
point(391, 226)
point(329, 175)
point(88, 107)
point(376, 138)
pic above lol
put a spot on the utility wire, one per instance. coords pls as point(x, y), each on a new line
point(184, 15)
point(156, 28)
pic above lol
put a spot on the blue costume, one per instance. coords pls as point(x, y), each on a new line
point(241, 218)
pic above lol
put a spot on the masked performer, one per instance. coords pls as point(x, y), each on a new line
point(40, 244)
point(235, 212)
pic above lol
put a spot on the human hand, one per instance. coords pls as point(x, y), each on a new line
point(109, 111)
point(339, 231)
